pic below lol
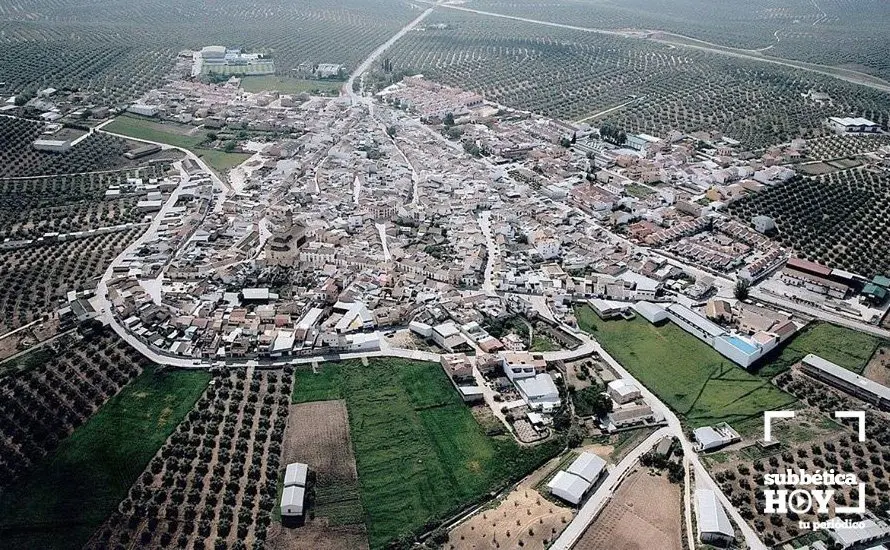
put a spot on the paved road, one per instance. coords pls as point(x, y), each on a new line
point(366, 64)
point(484, 220)
point(605, 492)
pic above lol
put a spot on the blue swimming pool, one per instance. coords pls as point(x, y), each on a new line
point(741, 344)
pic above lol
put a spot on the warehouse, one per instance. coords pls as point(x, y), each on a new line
point(653, 313)
point(292, 501)
point(569, 487)
point(588, 466)
point(296, 474)
point(846, 380)
point(713, 523)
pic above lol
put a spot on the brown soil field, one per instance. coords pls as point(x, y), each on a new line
point(318, 435)
point(875, 369)
point(644, 513)
point(524, 515)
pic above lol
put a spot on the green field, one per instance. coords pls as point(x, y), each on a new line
point(846, 347)
point(420, 453)
point(178, 135)
point(289, 85)
point(690, 377)
point(71, 492)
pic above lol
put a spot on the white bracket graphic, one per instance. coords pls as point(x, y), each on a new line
point(860, 415)
point(860, 509)
point(768, 422)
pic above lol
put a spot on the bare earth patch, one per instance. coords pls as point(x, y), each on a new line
point(645, 513)
point(318, 434)
point(876, 369)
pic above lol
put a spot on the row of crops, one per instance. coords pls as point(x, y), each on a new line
point(117, 50)
point(572, 74)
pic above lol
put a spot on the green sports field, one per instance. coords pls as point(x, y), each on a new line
point(701, 385)
point(70, 493)
point(420, 453)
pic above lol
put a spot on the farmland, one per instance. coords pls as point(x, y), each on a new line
point(34, 280)
point(835, 33)
point(645, 513)
point(65, 497)
point(47, 398)
point(848, 348)
point(114, 51)
point(420, 453)
point(318, 435)
point(213, 483)
point(838, 219)
point(572, 74)
point(690, 377)
point(177, 135)
point(31, 207)
point(289, 85)
point(19, 159)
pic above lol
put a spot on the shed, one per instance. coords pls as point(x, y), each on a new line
point(292, 501)
point(588, 466)
point(295, 474)
point(569, 487)
point(713, 523)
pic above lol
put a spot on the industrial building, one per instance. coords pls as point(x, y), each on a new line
point(846, 380)
point(710, 438)
point(653, 313)
point(862, 535)
point(714, 526)
point(853, 125)
point(573, 483)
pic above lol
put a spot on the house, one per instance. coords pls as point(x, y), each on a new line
point(448, 337)
point(539, 392)
point(846, 380)
point(521, 364)
point(763, 224)
point(457, 367)
point(628, 415)
point(292, 501)
point(710, 438)
point(718, 310)
point(714, 526)
point(622, 391)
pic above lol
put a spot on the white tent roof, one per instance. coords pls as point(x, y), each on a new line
point(588, 466)
point(295, 474)
point(568, 486)
point(712, 517)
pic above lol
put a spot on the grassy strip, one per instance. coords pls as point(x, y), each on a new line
point(286, 85)
point(71, 492)
point(421, 455)
point(694, 380)
point(846, 347)
point(177, 135)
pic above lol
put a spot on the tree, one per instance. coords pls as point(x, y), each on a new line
point(742, 289)
point(591, 401)
point(391, 131)
point(449, 119)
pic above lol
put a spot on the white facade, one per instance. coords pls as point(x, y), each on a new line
point(539, 393)
point(622, 391)
point(569, 487)
point(144, 110)
point(653, 313)
point(292, 501)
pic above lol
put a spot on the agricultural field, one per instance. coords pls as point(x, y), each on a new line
point(318, 435)
point(646, 512)
point(60, 502)
point(290, 85)
point(848, 348)
point(522, 518)
point(571, 74)
point(31, 207)
point(838, 219)
point(50, 392)
point(813, 442)
point(213, 483)
point(178, 135)
point(698, 383)
point(420, 453)
point(19, 159)
point(835, 32)
point(34, 280)
point(114, 51)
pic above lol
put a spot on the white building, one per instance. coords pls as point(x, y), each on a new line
point(521, 364)
point(144, 110)
point(296, 474)
point(292, 501)
point(709, 438)
point(694, 324)
point(622, 391)
point(588, 466)
point(547, 248)
point(853, 125)
point(653, 313)
point(864, 532)
point(714, 526)
point(569, 487)
point(52, 145)
point(447, 336)
point(539, 392)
